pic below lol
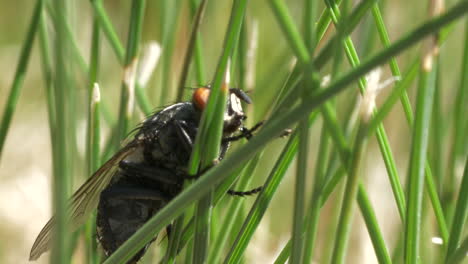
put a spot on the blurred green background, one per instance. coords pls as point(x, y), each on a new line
point(25, 166)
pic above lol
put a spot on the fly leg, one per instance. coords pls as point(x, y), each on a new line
point(248, 133)
point(244, 133)
point(245, 193)
point(183, 135)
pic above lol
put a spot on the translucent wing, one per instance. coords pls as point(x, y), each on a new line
point(83, 201)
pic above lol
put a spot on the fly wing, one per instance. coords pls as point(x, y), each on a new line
point(83, 201)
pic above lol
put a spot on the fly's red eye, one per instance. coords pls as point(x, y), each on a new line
point(200, 97)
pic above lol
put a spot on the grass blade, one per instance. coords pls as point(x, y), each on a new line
point(461, 215)
point(418, 157)
point(21, 69)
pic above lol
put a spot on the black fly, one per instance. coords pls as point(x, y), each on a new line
point(147, 173)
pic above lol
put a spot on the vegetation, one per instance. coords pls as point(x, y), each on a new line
point(318, 68)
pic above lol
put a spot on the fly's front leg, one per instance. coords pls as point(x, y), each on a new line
point(244, 133)
point(248, 133)
point(183, 135)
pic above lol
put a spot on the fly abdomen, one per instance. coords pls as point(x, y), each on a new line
point(122, 210)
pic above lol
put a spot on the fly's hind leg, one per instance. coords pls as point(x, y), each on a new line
point(245, 193)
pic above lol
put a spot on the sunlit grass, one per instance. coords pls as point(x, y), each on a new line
point(321, 38)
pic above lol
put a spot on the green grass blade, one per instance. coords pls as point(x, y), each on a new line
point(372, 226)
point(351, 189)
point(418, 156)
point(193, 44)
point(409, 115)
point(47, 73)
point(128, 84)
point(299, 194)
point(380, 133)
point(190, 49)
point(94, 135)
point(461, 215)
point(396, 94)
point(213, 117)
point(199, 58)
point(232, 212)
point(262, 201)
point(20, 72)
point(61, 252)
point(313, 213)
point(272, 129)
point(459, 119)
point(74, 50)
point(291, 32)
point(460, 254)
point(108, 29)
point(170, 11)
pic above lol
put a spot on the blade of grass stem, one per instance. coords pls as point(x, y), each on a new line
point(313, 212)
point(438, 124)
point(262, 201)
point(292, 34)
point(128, 85)
point(20, 73)
point(299, 244)
point(169, 16)
point(70, 37)
point(109, 31)
point(396, 94)
point(219, 194)
point(212, 119)
point(459, 118)
point(61, 252)
point(418, 156)
point(460, 254)
point(293, 37)
point(299, 194)
point(383, 141)
point(94, 135)
point(111, 35)
point(272, 129)
point(199, 64)
point(232, 212)
point(79, 58)
point(350, 194)
point(47, 73)
point(190, 49)
point(372, 226)
point(354, 19)
point(194, 41)
point(461, 215)
point(409, 115)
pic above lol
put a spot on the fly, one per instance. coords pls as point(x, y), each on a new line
point(147, 173)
